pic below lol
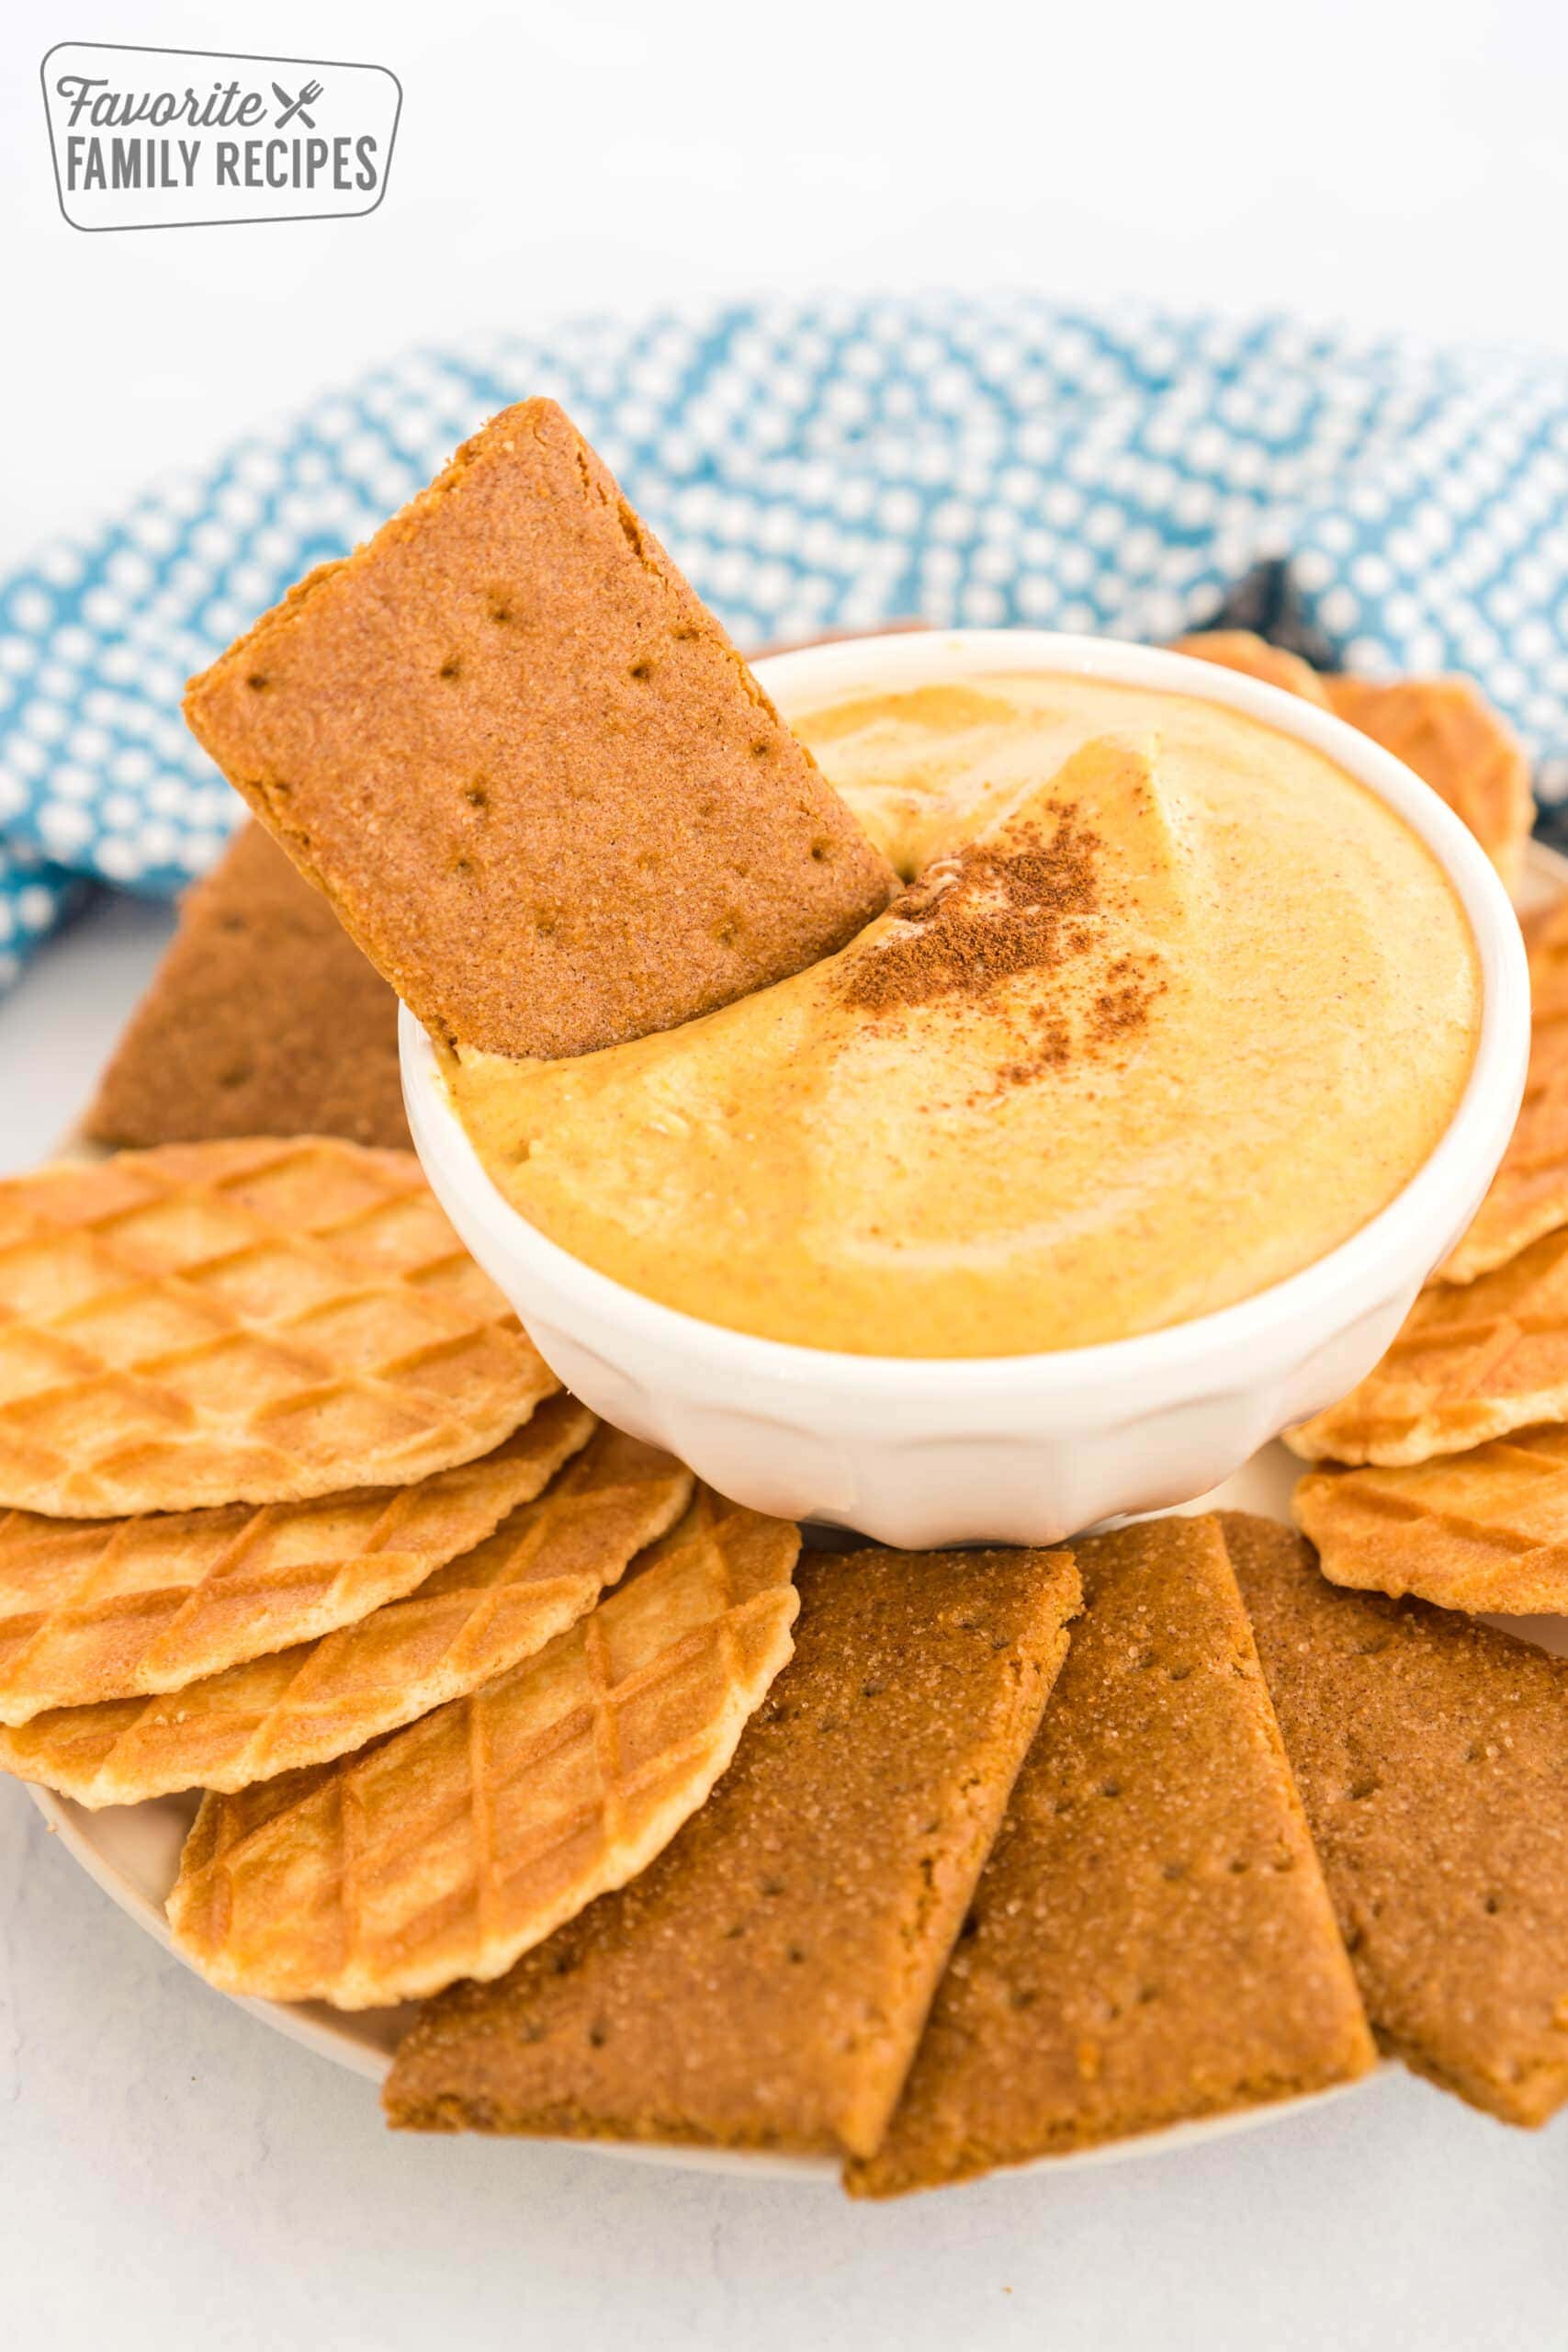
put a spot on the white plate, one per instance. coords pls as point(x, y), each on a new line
point(132, 1851)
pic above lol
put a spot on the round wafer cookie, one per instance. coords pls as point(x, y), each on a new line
point(99, 1609)
point(451, 1847)
point(471, 1620)
point(243, 1322)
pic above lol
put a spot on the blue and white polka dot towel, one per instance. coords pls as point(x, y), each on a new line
point(1381, 505)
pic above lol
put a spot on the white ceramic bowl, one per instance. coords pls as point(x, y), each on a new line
point(921, 1452)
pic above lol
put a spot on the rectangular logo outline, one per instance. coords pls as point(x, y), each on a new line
point(233, 56)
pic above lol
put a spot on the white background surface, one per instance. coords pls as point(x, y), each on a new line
point(171, 2172)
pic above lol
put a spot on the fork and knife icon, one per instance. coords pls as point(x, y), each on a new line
point(296, 107)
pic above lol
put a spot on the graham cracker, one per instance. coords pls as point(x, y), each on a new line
point(1486, 1531)
point(540, 787)
point(1151, 1940)
point(764, 1984)
point(1471, 1362)
point(262, 1019)
point(1432, 1758)
point(1528, 1195)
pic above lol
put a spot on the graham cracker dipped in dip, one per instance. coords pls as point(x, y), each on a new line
point(1171, 1007)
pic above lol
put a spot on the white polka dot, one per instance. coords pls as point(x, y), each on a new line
point(129, 570)
point(31, 607)
point(35, 906)
point(66, 832)
point(105, 608)
point(1339, 610)
point(120, 860)
point(60, 565)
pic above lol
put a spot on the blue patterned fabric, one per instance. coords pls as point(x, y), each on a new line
point(1381, 506)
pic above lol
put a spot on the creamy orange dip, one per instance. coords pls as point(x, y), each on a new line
point(1175, 1007)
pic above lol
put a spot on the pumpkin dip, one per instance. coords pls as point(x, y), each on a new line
point(1172, 1006)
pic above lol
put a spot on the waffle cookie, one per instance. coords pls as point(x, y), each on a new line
point(1470, 1362)
point(1443, 728)
point(1448, 731)
point(1432, 1758)
point(1151, 1940)
point(541, 1570)
point(243, 1322)
point(94, 1610)
point(1486, 1531)
point(1239, 649)
point(262, 1019)
point(453, 1845)
point(764, 1984)
point(1528, 1195)
point(532, 773)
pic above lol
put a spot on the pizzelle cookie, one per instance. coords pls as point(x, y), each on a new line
point(450, 1848)
point(243, 1322)
point(1151, 1940)
point(1443, 728)
point(764, 1984)
point(539, 783)
point(262, 1019)
point(1471, 1362)
point(1528, 1195)
point(96, 1609)
point(1484, 1532)
point(541, 1570)
point(1432, 1758)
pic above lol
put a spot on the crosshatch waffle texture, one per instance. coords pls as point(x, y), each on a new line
point(1473, 1361)
point(1484, 1532)
point(94, 1610)
point(456, 1845)
point(1528, 1195)
point(541, 1570)
point(243, 1322)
